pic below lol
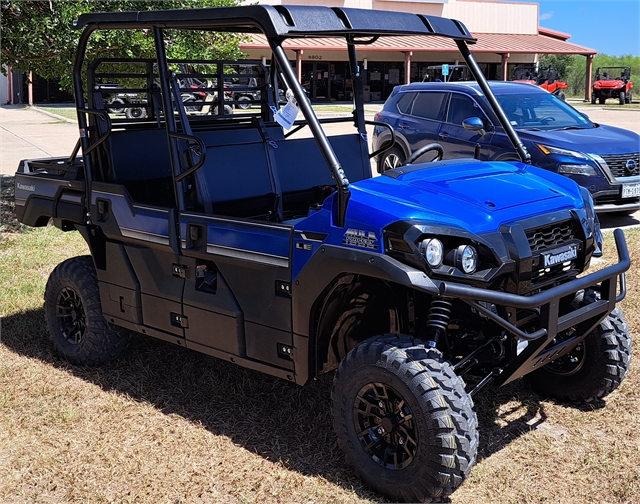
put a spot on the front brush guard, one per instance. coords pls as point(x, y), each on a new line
point(547, 303)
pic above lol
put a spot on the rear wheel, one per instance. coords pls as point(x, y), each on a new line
point(403, 419)
point(390, 159)
point(630, 97)
point(136, 113)
point(593, 369)
point(73, 312)
point(115, 106)
point(622, 97)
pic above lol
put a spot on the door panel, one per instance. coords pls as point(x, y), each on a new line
point(249, 268)
point(457, 141)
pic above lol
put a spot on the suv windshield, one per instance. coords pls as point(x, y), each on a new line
point(541, 111)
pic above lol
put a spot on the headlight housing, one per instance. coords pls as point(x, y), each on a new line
point(433, 251)
point(571, 168)
point(466, 259)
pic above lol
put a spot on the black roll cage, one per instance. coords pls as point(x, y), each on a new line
point(277, 23)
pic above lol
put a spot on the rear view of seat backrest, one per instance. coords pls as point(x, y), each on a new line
point(236, 167)
point(301, 165)
point(139, 160)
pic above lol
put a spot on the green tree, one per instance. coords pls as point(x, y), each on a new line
point(38, 36)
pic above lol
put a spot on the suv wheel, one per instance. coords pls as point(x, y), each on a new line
point(73, 312)
point(390, 159)
point(592, 370)
point(403, 419)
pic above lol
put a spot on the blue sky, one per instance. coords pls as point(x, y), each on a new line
point(608, 26)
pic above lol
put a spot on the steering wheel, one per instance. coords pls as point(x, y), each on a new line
point(546, 119)
point(423, 150)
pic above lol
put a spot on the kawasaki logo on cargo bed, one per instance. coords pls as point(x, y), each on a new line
point(561, 255)
point(24, 187)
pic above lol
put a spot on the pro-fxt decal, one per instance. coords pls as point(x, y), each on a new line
point(360, 238)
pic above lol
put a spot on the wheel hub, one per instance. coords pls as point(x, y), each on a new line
point(70, 315)
point(386, 429)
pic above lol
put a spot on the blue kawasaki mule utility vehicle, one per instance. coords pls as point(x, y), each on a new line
point(278, 251)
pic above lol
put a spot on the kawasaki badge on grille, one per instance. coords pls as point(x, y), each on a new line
point(560, 255)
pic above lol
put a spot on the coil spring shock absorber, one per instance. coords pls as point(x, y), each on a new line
point(438, 319)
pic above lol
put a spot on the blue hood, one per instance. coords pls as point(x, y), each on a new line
point(600, 140)
point(475, 196)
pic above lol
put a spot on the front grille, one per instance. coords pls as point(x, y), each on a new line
point(618, 164)
point(551, 236)
point(548, 238)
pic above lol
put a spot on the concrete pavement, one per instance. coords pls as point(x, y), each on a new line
point(26, 133)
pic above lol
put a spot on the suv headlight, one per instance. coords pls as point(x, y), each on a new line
point(571, 168)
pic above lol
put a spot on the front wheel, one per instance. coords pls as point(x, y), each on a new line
point(562, 96)
point(403, 419)
point(593, 99)
point(622, 97)
point(391, 159)
point(592, 370)
point(73, 312)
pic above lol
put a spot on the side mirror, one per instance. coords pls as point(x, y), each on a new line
point(474, 124)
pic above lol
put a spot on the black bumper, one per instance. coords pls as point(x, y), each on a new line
point(584, 320)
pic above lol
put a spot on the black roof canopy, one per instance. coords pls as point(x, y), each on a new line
point(283, 21)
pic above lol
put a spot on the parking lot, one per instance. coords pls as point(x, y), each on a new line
point(27, 132)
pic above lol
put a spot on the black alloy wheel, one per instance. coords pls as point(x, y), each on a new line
point(385, 425)
point(73, 311)
point(403, 419)
point(71, 316)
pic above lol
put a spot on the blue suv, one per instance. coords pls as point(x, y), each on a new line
point(604, 159)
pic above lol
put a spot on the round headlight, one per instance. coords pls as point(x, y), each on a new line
point(467, 258)
point(432, 251)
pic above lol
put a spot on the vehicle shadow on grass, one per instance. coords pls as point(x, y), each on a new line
point(280, 421)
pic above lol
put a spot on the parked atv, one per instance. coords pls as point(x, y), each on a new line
point(543, 77)
point(237, 237)
point(612, 82)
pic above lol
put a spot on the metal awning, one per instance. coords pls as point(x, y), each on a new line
point(495, 43)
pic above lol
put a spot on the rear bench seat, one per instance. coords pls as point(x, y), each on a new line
point(236, 178)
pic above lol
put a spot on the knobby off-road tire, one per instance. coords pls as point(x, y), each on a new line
point(78, 330)
point(622, 97)
point(403, 419)
point(599, 364)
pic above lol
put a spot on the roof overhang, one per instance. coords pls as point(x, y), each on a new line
point(495, 43)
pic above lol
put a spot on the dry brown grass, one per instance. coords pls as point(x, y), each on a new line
point(166, 425)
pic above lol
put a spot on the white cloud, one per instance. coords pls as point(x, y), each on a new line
point(547, 15)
